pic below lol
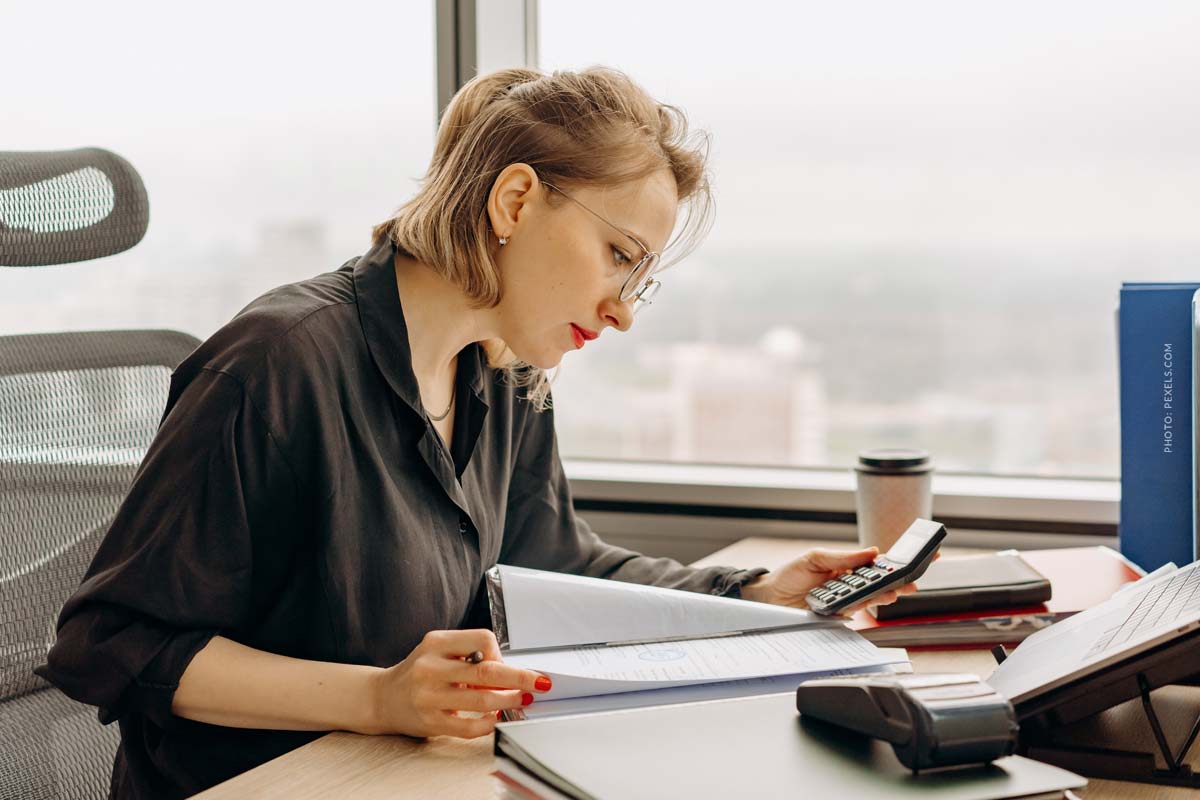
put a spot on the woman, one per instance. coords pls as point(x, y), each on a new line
point(303, 547)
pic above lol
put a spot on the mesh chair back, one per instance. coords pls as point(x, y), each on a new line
point(70, 205)
point(77, 413)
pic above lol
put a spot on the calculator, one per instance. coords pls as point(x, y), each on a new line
point(906, 561)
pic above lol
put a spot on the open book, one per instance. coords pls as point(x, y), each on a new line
point(607, 644)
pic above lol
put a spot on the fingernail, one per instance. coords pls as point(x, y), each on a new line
point(526, 699)
point(499, 715)
point(542, 684)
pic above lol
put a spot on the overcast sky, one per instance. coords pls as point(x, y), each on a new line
point(923, 121)
point(832, 123)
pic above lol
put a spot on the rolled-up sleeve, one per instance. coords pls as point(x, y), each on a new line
point(542, 530)
point(207, 529)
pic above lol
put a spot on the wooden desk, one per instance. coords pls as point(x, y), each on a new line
point(347, 765)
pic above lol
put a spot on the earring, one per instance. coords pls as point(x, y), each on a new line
point(503, 241)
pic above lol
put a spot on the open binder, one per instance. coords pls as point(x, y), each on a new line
point(607, 644)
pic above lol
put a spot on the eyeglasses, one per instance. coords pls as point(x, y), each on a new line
point(639, 287)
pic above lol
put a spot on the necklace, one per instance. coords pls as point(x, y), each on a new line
point(444, 414)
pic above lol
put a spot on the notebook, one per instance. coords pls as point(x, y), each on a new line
point(971, 583)
point(756, 747)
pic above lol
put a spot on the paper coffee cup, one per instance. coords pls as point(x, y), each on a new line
point(895, 487)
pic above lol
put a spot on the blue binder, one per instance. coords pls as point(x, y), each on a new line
point(1158, 490)
point(1195, 427)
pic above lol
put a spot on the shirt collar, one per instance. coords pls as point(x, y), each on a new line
point(382, 316)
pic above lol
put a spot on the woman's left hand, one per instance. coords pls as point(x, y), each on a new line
point(788, 585)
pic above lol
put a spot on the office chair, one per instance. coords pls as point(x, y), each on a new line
point(70, 205)
point(77, 413)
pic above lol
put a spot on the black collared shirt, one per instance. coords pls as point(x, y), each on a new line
point(296, 499)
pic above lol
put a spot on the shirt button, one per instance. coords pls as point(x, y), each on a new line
point(462, 526)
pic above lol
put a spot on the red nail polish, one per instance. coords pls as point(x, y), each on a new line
point(526, 699)
point(542, 684)
point(499, 716)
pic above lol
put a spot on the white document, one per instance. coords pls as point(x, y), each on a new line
point(697, 692)
point(551, 609)
point(597, 670)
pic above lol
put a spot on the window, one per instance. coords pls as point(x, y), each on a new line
point(270, 137)
point(925, 211)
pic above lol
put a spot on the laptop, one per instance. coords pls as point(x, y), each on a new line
point(1138, 619)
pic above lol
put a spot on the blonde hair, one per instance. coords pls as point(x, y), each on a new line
point(595, 127)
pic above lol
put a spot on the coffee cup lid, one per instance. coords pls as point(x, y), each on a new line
point(894, 459)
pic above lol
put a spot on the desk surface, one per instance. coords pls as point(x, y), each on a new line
point(368, 767)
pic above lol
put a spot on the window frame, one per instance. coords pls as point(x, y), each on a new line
point(690, 510)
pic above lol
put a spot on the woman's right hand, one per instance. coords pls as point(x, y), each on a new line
point(422, 695)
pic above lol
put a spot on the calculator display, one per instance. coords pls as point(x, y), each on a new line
point(906, 548)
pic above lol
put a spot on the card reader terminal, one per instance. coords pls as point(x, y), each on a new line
point(906, 561)
point(931, 720)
